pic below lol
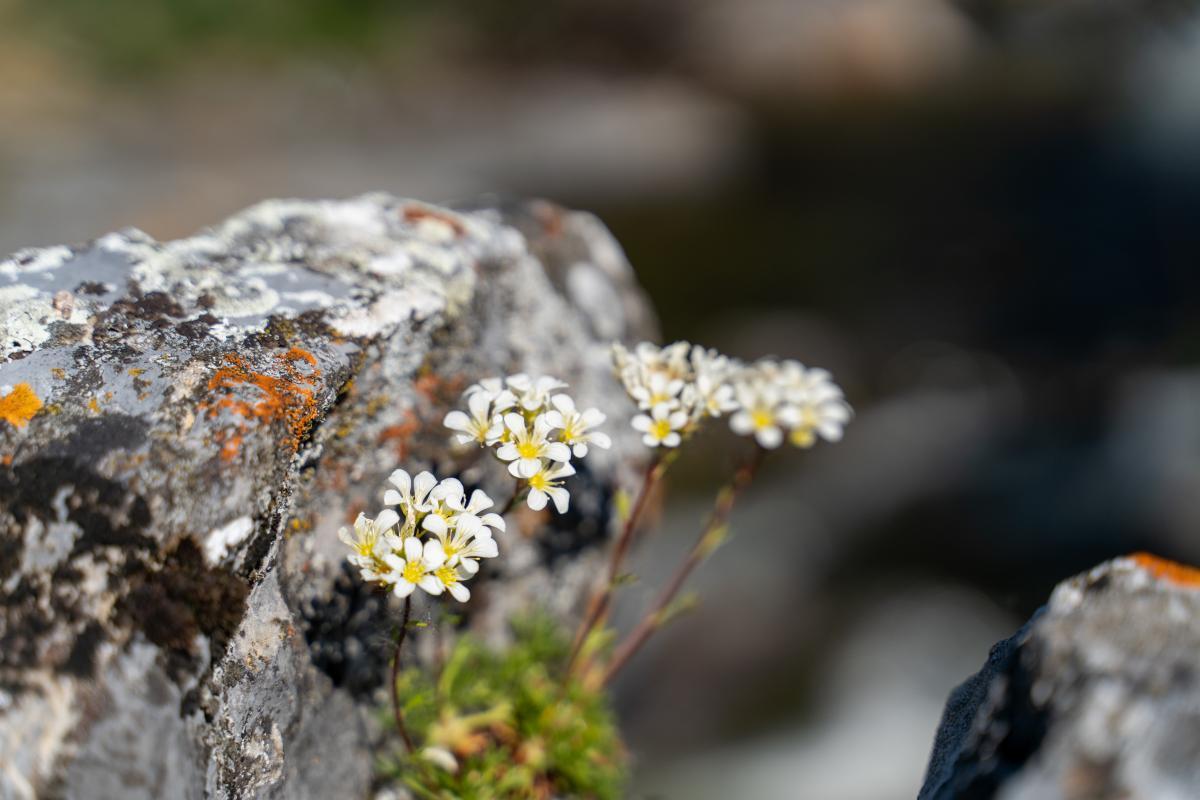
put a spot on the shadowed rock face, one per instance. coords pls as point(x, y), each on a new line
point(1096, 698)
point(184, 427)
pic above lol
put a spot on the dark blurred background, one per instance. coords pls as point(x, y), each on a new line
point(980, 214)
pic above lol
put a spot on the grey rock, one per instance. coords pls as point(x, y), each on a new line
point(1097, 696)
point(177, 618)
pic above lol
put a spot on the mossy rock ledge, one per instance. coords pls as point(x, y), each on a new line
point(1097, 697)
point(185, 425)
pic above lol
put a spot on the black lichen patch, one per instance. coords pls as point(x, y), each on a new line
point(95, 437)
point(348, 634)
point(82, 660)
point(183, 598)
point(585, 524)
point(104, 510)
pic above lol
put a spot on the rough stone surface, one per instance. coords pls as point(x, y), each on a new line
point(1096, 698)
point(184, 427)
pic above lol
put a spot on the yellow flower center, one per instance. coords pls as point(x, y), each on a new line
point(413, 572)
point(568, 434)
point(660, 429)
point(447, 575)
point(762, 418)
point(528, 450)
point(450, 549)
point(539, 482)
point(803, 436)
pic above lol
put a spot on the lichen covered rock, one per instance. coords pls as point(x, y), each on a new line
point(185, 425)
point(1097, 697)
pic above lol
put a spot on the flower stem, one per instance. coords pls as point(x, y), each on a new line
point(709, 538)
point(396, 712)
point(601, 598)
point(519, 493)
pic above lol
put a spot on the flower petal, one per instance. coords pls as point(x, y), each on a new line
point(435, 524)
point(557, 451)
point(537, 499)
point(387, 519)
point(412, 548)
point(401, 480)
point(457, 420)
point(561, 498)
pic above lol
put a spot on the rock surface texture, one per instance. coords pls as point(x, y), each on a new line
point(185, 425)
point(1096, 698)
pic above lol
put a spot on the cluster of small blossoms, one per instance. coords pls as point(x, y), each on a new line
point(678, 386)
point(533, 426)
point(433, 542)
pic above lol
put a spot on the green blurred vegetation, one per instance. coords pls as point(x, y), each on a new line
point(133, 36)
point(515, 729)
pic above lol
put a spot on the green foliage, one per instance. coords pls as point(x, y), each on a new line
point(131, 36)
point(514, 728)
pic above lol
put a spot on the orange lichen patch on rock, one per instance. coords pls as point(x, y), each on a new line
point(288, 397)
point(415, 214)
point(401, 434)
point(438, 390)
point(1170, 571)
point(18, 406)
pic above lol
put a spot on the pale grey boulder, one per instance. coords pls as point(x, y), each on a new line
point(186, 424)
point(1096, 698)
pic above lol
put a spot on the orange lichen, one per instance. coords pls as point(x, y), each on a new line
point(401, 434)
point(18, 406)
point(437, 390)
point(288, 397)
point(1170, 571)
point(417, 213)
point(93, 406)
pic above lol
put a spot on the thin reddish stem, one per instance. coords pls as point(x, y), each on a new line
point(396, 712)
point(601, 597)
point(653, 618)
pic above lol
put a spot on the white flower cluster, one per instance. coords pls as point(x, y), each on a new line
point(534, 427)
point(433, 543)
point(680, 385)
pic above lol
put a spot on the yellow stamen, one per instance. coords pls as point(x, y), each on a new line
point(762, 418)
point(447, 575)
point(528, 450)
point(413, 572)
point(660, 429)
point(803, 436)
point(540, 482)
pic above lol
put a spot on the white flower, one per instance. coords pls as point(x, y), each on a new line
point(532, 395)
point(493, 389)
point(815, 405)
point(545, 485)
point(529, 445)
point(711, 383)
point(657, 389)
point(760, 413)
point(440, 757)
point(575, 427)
point(371, 541)
point(417, 567)
point(479, 502)
point(464, 542)
point(411, 494)
point(661, 427)
point(483, 426)
point(775, 397)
